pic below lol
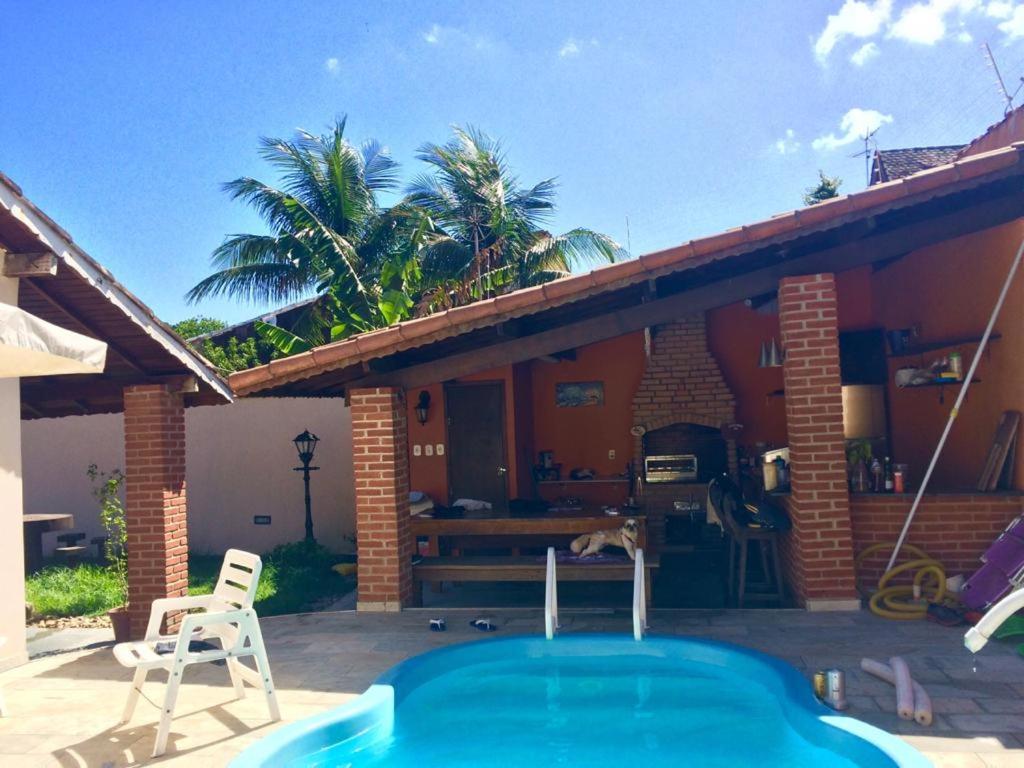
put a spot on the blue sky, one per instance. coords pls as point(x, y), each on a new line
point(123, 119)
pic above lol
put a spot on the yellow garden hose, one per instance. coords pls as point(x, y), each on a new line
point(907, 601)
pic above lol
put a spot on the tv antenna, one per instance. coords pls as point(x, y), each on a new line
point(1007, 96)
point(629, 241)
point(866, 153)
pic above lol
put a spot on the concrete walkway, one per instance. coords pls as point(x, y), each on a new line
point(64, 709)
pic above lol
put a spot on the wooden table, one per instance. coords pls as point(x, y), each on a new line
point(495, 525)
point(35, 526)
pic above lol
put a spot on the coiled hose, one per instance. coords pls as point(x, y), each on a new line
point(906, 601)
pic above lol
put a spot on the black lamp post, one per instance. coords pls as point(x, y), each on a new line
point(305, 444)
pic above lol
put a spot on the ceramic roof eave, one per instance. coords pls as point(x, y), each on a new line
point(52, 237)
point(779, 229)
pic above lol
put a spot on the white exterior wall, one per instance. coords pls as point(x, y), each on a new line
point(239, 464)
point(12, 552)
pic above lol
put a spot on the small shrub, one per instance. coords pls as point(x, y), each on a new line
point(106, 489)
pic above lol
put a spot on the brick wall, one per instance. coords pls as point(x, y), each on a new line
point(819, 549)
point(953, 528)
point(381, 463)
point(681, 384)
point(154, 453)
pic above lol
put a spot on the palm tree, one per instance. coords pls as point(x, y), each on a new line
point(328, 235)
point(483, 233)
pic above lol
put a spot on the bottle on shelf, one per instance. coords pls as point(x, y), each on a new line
point(889, 481)
point(877, 476)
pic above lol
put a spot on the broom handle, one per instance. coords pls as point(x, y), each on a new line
point(956, 406)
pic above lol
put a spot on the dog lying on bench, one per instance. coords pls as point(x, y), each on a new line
point(592, 543)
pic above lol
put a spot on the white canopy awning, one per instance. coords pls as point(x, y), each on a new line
point(33, 347)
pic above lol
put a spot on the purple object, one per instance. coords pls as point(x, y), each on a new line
point(1002, 569)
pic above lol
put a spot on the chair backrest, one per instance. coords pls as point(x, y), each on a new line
point(238, 580)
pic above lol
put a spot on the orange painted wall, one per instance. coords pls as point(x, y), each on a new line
point(735, 333)
point(950, 289)
point(430, 473)
point(582, 437)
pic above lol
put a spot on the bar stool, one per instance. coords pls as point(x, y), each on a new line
point(740, 538)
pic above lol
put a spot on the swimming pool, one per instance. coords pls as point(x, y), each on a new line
point(583, 700)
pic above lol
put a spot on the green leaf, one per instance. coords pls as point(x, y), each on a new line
point(285, 342)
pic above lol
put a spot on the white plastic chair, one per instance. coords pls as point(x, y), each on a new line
point(227, 615)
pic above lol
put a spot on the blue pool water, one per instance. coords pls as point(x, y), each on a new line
point(584, 701)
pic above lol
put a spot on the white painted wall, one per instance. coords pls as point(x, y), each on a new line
point(239, 464)
point(12, 553)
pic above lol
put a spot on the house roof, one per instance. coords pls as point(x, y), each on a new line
point(782, 242)
point(84, 297)
point(891, 164)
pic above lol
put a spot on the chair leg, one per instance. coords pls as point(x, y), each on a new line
point(138, 679)
point(778, 570)
point(743, 574)
point(762, 548)
point(167, 713)
point(732, 566)
point(259, 652)
point(236, 678)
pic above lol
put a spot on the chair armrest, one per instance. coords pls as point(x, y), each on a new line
point(164, 605)
point(193, 621)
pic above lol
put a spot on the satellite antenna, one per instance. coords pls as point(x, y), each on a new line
point(1007, 96)
point(866, 153)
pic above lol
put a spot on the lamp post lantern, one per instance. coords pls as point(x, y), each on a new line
point(305, 444)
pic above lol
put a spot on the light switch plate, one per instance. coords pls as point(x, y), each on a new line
point(611, 453)
point(428, 449)
point(440, 449)
point(417, 450)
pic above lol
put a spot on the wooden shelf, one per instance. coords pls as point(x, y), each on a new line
point(584, 481)
point(937, 384)
point(932, 346)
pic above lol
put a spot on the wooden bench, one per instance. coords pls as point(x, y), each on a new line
point(455, 569)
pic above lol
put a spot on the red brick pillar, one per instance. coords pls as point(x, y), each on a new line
point(820, 546)
point(380, 454)
point(154, 453)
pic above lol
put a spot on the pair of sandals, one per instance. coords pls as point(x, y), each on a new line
point(483, 625)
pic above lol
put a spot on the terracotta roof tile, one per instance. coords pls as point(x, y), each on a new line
point(728, 239)
point(676, 255)
point(892, 164)
point(510, 302)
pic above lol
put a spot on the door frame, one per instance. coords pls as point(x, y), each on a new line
point(455, 385)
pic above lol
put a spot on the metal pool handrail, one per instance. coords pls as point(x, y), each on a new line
point(639, 597)
point(551, 625)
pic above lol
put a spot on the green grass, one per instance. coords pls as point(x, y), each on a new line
point(85, 590)
point(295, 578)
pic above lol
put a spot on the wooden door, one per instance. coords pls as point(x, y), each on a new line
point(477, 463)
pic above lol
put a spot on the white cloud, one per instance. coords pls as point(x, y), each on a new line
point(855, 124)
point(999, 9)
point(864, 54)
point(963, 36)
point(455, 37)
point(1014, 24)
point(569, 48)
point(856, 18)
point(574, 47)
point(925, 23)
point(788, 144)
point(332, 65)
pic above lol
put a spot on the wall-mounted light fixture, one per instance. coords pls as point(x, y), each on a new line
point(423, 407)
point(771, 356)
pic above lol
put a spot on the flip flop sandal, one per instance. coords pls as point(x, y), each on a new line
point(438, 625)
point(484, 625)
point(944, 616)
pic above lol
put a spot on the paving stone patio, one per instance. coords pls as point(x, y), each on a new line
point(64, 709)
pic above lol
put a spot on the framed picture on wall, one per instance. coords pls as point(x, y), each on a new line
point(575, 394)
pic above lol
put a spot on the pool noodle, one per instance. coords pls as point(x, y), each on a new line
point(922, 701)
